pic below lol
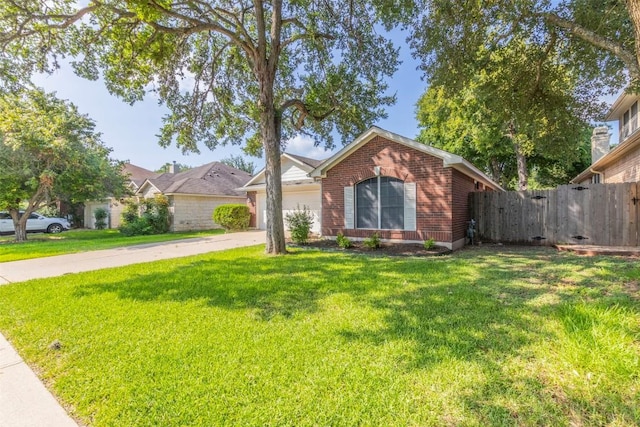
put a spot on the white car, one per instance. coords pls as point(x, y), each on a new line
point(35, 223)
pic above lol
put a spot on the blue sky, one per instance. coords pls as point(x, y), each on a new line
point(131, 130)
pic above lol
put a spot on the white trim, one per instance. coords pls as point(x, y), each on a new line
point(305, 167)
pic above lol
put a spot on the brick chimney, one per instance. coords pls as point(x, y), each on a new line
point(599, 143)
point(174, 168)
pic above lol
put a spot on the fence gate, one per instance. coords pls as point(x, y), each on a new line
point(595, 214)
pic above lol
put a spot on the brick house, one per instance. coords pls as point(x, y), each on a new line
point(404, 190)
point(114, 207)
point(622, 163)
point(195, 193)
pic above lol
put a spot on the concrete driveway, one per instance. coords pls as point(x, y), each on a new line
point(19, 271)
point(24, 400)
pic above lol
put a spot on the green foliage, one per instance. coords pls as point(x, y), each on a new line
point(429, 244)
point(373, 241)
point(50, 211)
point(393, 342)
point(100, 214)
point(232, 217)
point(343, 241)
point(151, 216)
point(180, 166)
point(241, 163)
point(300, 222)
point(49, 151)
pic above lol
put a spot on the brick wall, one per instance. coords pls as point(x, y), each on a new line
point(195, 212)
point(433, 184)
point(462, 186)
point(626, 169)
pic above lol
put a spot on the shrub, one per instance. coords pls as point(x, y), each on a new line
point(150, 217)
point(300, 222)
point(100, 214)
point(373, 241)
point(429, 244)
point(343, 241)
point(232, 216)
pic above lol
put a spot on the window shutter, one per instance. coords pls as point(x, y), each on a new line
point(348, 208)
point(410, 206)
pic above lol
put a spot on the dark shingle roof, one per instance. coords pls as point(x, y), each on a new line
point(306, 160)
point(137, 174)
point(211, 179)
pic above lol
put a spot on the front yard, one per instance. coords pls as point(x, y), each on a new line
point(481, 337)
point(40, 245)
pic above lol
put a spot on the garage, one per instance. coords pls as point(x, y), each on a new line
point(290, 202)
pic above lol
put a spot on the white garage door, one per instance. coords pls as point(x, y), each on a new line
point(290, 202)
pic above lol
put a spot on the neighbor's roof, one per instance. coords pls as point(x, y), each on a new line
point(449, 160)
point(137, 174)
point(212, 179)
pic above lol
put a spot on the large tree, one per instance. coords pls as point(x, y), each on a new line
point(49, 151)
point(521, 107)
point(251, 71)
point(597, 39)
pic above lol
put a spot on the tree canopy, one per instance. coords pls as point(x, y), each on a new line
point(241, 163)
point(597, 40)
point(49, 151)
point(244, 72)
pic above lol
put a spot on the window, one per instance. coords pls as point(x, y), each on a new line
point(380, 203)
point(629, 121)
point(595, 179)
point(633, 125)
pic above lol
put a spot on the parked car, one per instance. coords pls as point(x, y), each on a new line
point(36, 223)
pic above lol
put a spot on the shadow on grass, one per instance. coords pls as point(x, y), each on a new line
point(475, 307)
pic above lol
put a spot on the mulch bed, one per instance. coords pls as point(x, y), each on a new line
point(386, 249)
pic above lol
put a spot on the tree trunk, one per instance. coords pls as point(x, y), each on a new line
point(633, 6)
point(270, 130)
point(521, 159)
point(19, 225)
point(523, 173)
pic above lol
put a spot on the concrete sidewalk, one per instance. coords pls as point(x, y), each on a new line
point(24, 400)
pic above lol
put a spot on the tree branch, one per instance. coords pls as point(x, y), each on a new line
point(304, 112)
point(628, 58)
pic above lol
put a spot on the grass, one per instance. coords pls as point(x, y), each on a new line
point(479, 338)
point(41, 245)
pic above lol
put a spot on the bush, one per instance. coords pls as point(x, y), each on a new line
point(50, 211)
point(343, 241)
point(300, 222)
point(100, 214)
point(151, 216)
point(429, 244)
point(232, 216)
point(373, 241)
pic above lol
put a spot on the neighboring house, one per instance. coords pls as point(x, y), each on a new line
point(298, 190)
point(404, 190)
point(622, 163)
point(194, 194)
point(137, 175)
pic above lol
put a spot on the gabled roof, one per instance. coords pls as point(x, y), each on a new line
point(305, 163)
point(215, 179)
point(449, 159)
point(137, 174)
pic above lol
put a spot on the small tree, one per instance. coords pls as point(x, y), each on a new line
point(49, 151)
point(100, 214)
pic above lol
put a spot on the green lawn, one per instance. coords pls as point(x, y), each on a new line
point(40, 245)
point(484, 337)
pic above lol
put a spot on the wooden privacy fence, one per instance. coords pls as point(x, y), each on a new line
point(593, 214)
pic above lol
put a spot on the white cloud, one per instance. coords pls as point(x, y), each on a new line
point(304, 146)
